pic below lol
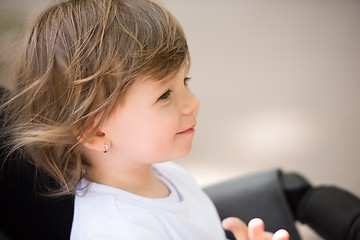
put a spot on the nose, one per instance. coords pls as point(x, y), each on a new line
point(191, 105)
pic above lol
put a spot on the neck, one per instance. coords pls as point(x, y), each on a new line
point(136, 178)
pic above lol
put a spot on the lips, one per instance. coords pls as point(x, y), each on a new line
point(187, 131)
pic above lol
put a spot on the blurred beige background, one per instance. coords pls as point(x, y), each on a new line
point(278, 83)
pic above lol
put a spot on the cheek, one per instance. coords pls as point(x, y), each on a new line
point(149, 135)
point(162, 134)
point(161, 128)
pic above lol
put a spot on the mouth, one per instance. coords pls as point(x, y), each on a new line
point(187, 131)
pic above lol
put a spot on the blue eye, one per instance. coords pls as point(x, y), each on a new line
point(165, 95)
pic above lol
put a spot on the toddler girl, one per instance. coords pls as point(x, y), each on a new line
point(102, 104)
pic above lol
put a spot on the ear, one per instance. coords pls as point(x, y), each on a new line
point(94, 141)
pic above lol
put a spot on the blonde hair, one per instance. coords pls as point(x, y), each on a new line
point(78, 61)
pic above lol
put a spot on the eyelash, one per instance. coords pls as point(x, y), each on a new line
point(165, 95)
point(169, 91)
point(186, 80)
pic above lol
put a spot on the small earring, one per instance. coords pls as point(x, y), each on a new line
point(106, 148)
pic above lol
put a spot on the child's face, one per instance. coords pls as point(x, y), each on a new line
point(155, 123)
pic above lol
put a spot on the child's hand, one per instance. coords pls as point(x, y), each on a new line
point(254, 231)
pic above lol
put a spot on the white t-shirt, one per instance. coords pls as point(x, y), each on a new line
point(107, 213)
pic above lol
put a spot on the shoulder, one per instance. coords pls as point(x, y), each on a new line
point(106, 218)
point(95, 207)
point(102, 212)
point(139, 225)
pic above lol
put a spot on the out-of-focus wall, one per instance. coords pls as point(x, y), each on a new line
point(278, 81)
point(15, 15)
point(279, 85)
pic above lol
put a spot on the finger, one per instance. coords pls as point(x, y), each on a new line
point(256, 229)
point(268, 236)
point(281, 235)
point(237, 227)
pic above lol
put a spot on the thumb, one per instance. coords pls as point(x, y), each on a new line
point(237, 227)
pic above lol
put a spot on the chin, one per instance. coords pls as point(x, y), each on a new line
point(184, 152)
point(174, 153)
